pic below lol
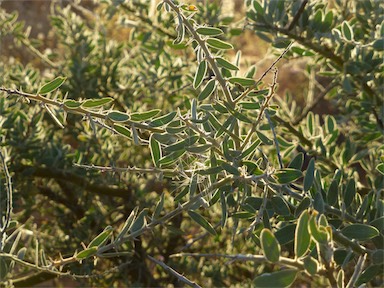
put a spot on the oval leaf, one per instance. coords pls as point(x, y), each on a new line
point(86, 253)
point(122, 130)
point(270, 245)
point(282, 278)
point(226, 64)
point(287, 175)
point(117, 116)
point(209, 31)
point(93, 103)
point(207, 90)
point(242, 81)
point(302, 236)
point(101, 238)
point(360, 232)
point(53, 85)
point(202, 222)
point(200, 74)
point(219, 44)
point(141, 116)
point(155, 148)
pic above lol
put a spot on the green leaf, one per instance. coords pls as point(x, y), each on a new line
point(347, 30)
point(171, 158)
point(340, 279)
point(264, 138)
point(250, 149)
point(378, 44)
point(155, 149)
point(93, 103)
point(378, 257)
point(128, 223)
point(287, 175)
point(360, 232)
point(207, 90)
point(52, 85)
point(380, 168)
point(209, 31)
point(86, 253)
point(333, 193)
point(117, 116)
point(242, 81)
point(309, 175)
point(219, 44)
point(304, 204)
point(311, 265)
point(310, 123)
point(258, 8)
point(286, 234)
point(230, 169)
point(159, 207)
point(202, 222)
point(283, 278)
point(270, 245)
point(368, 274)
point(199, 148)
point(163, 120)
point(140, 221)
point(101, 238)
point(72, 104)
point(302, 236)
point(297, 162)
point(122, 130)
point(349, 193)
point(249, 105)
point(210, 171)
point(141, 116)
point(226, 64)
point(280, 206)
point(200, 74)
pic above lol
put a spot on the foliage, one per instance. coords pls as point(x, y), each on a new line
point(145, 154)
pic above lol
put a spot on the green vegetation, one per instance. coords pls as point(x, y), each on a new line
point(142, 149)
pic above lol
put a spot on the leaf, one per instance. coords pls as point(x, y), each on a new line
point(122, 130)
point(287, 175)
point(380, 168)
point(200, 74)
point(127, 224)
point(283, 278)
point(347, 31)
point(117, 116)
point(72, 104)
point(286, 234)
point(270, 245)
point(155, 148)
point(93, 103)
point(349, 193)
point(207, 90)
point(304, 204)
point(209, 31)
point(52, 85)
point(280, 206)
point(230, 169)
point(309, 175)
point(86, 253)
point(310, 123)
point(159, 207)
point(250, 105)
point(242, 81)
point(141, 116)
point(163, 120)
point(258, 8)
point(302, 236)
point(378, 45)
point(140, 221)
point(360, 232)
point(333, 193)
point(101, 238)
point(311, 265)
point(340, 279)
point(226, 64)
point(297, 162)
point(264, 138)
point(202, 222)
point(171, 158)
point(219, 44)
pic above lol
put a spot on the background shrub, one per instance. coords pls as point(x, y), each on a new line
point(139, 147)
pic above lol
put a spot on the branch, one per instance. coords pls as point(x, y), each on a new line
point(174, 273)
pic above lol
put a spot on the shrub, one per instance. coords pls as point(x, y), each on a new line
point(150, 156)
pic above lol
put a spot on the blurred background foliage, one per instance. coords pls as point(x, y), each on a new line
point(330, 103)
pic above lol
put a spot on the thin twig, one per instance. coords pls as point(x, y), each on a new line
point(274, 139)
point(357, 271)
point(7, 216)
point(298, 14)
point(174, 272)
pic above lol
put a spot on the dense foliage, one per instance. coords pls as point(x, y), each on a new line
point(138, 149)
